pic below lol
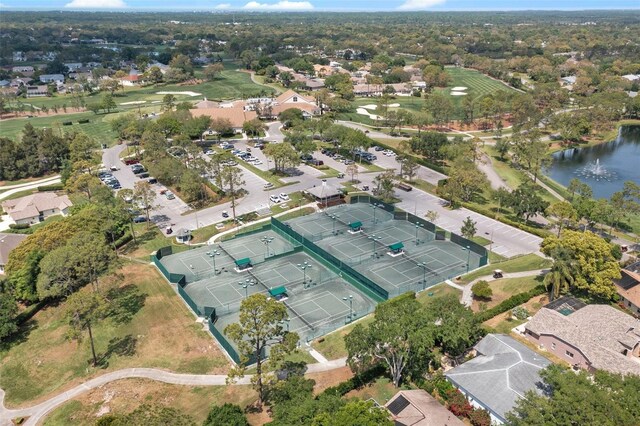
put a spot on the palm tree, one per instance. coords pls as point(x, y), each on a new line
point(560, 277)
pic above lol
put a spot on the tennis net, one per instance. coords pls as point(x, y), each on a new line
point(225, 252)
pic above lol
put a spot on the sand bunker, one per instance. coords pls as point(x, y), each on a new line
point(180, 93)
point(458, 94)
point(134, 103)
point(459, 89)
point(374, 107)
point(363, 111)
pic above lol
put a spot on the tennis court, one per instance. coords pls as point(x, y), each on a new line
point(197, 263)
point(257, 246)
point(314, 294)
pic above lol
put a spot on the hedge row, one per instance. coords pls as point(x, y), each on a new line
point(19, 226)
point(124, 239)
point(510, 303)
point(542, 233)
point(52, 187)
point(356, 382)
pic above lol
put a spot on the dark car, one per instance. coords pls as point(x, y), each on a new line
point(143, 175)
point(315, 162)
point(152, 180)
point(378, 148)
point(139, 219)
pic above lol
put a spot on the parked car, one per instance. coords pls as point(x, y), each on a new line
point(274, 198)
point(131, 161)
point(143, 175)
point(316, 162)
point(152, 180)
point(268, 185)
point(348, 162)
point(258, 145)
point(114, 168)
point(209, 152)
point(139, 219)
point(378, 148)
point(284, 197)
point(225, 214)
point(169, 195)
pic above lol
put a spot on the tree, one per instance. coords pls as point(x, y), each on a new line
point(82, 310)
point(108, 103)
point(502, 146)
point(579, 398)
point(285, 78)
point(564, 212)
point(291, 117)
point(8, 312)
point(260, 328)
point(530, 152)
point(283, 155)
point(457, 328)
point(482, 290)
point(154, 75)
point(352, 170)
point(145, 197)
point(231, 178)
point(560, 278)
point(431, 216)
point(355, 412)
point(464, 183)
point(397, 337)
point(148, 415)
point(526, 202)
point(439, 106)
point(385, 185)
point(226, 414)
point(222, 127)
point(211, 72)
point(592, 262)
point(182, 63)
point(409, 167)
point(253, 127)
point(168, 102)
point(468, 229)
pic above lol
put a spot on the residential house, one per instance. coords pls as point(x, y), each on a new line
point(628, 287)
point(22, 81)
point(26, 71)
point(36, 207)
point(596, 337)
point(131, 80)
point(237, 115)
point(631, 77)
point(292, 99)
point(502, 372)
point(37, 91)
point(205, 104)
point(73, 66)
point(19, 57)
point(7, 243)
point(52, 78)
point(569, 80)
point(322, 70)
point(4, 84)
point(418, 408)
point(312, 84)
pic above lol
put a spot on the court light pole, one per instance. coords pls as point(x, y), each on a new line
point(213, 254)
point(246, 290)
point(334, 217)
point(418, 225)
point(468, 256)
point(374, 239)
point(375, 207)
point(423, 265)
point(304, 267)
point(350, 299)
point(266, 241)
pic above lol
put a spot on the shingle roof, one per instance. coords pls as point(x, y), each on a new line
point(236, 115)
point(599, 332)
point(7, 243)
point(418, 408)
point(291, 93)
point(502, 373)
point(32, 205)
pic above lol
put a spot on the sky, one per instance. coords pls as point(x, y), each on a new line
point(306, 5)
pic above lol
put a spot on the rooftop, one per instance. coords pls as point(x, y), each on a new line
point(236, 115)
point(7, 243)
point(418, 408)
point(600, 332)
point(32, 205)
point(503, 372)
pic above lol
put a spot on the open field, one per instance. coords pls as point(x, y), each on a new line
point(504, 289)
point(163, 334)
point(527, 262)
point(126, 395)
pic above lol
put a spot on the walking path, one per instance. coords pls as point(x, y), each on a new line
point(467, 297)
point(13, 189)
point(39, 411)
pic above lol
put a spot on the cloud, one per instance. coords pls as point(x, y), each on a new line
point(222, 6)
point(95, 4)
point(419, 4)
point(281, 5)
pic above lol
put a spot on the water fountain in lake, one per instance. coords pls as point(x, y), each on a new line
point(596, 171)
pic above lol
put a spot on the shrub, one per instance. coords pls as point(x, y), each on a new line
point(52, 187)
point(67, 123)
point(458, 404)
point(510, 303)
point(480, 417)
point(356, 382)
point(520, 313)
point(19, 226)
point(481, 290)
point(83, 121)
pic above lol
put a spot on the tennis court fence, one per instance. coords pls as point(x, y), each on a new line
point(352, 276)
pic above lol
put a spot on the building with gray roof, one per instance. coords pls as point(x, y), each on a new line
point(501, 373)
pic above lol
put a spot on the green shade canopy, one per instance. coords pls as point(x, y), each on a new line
point(243, 262)
point(396, 246)
point(278, 291)
point(355, 225)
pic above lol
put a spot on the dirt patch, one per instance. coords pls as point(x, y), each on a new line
point(327, 379)
point(533, 306)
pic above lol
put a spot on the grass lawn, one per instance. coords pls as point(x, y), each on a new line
point(439, 290)
point(382, 390)
point(504, 289)
point(126, 395)
point(150, 240)
point(40, 361)
point(98, 126)
point(527, 262)
point(296, 199)
point(332, 345)
point(481, 240)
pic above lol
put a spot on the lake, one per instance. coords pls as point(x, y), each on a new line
point(604, 167)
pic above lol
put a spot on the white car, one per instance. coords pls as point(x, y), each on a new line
point(389, 153)
point(284, 196)
point(256, 162)
point(274, 198)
